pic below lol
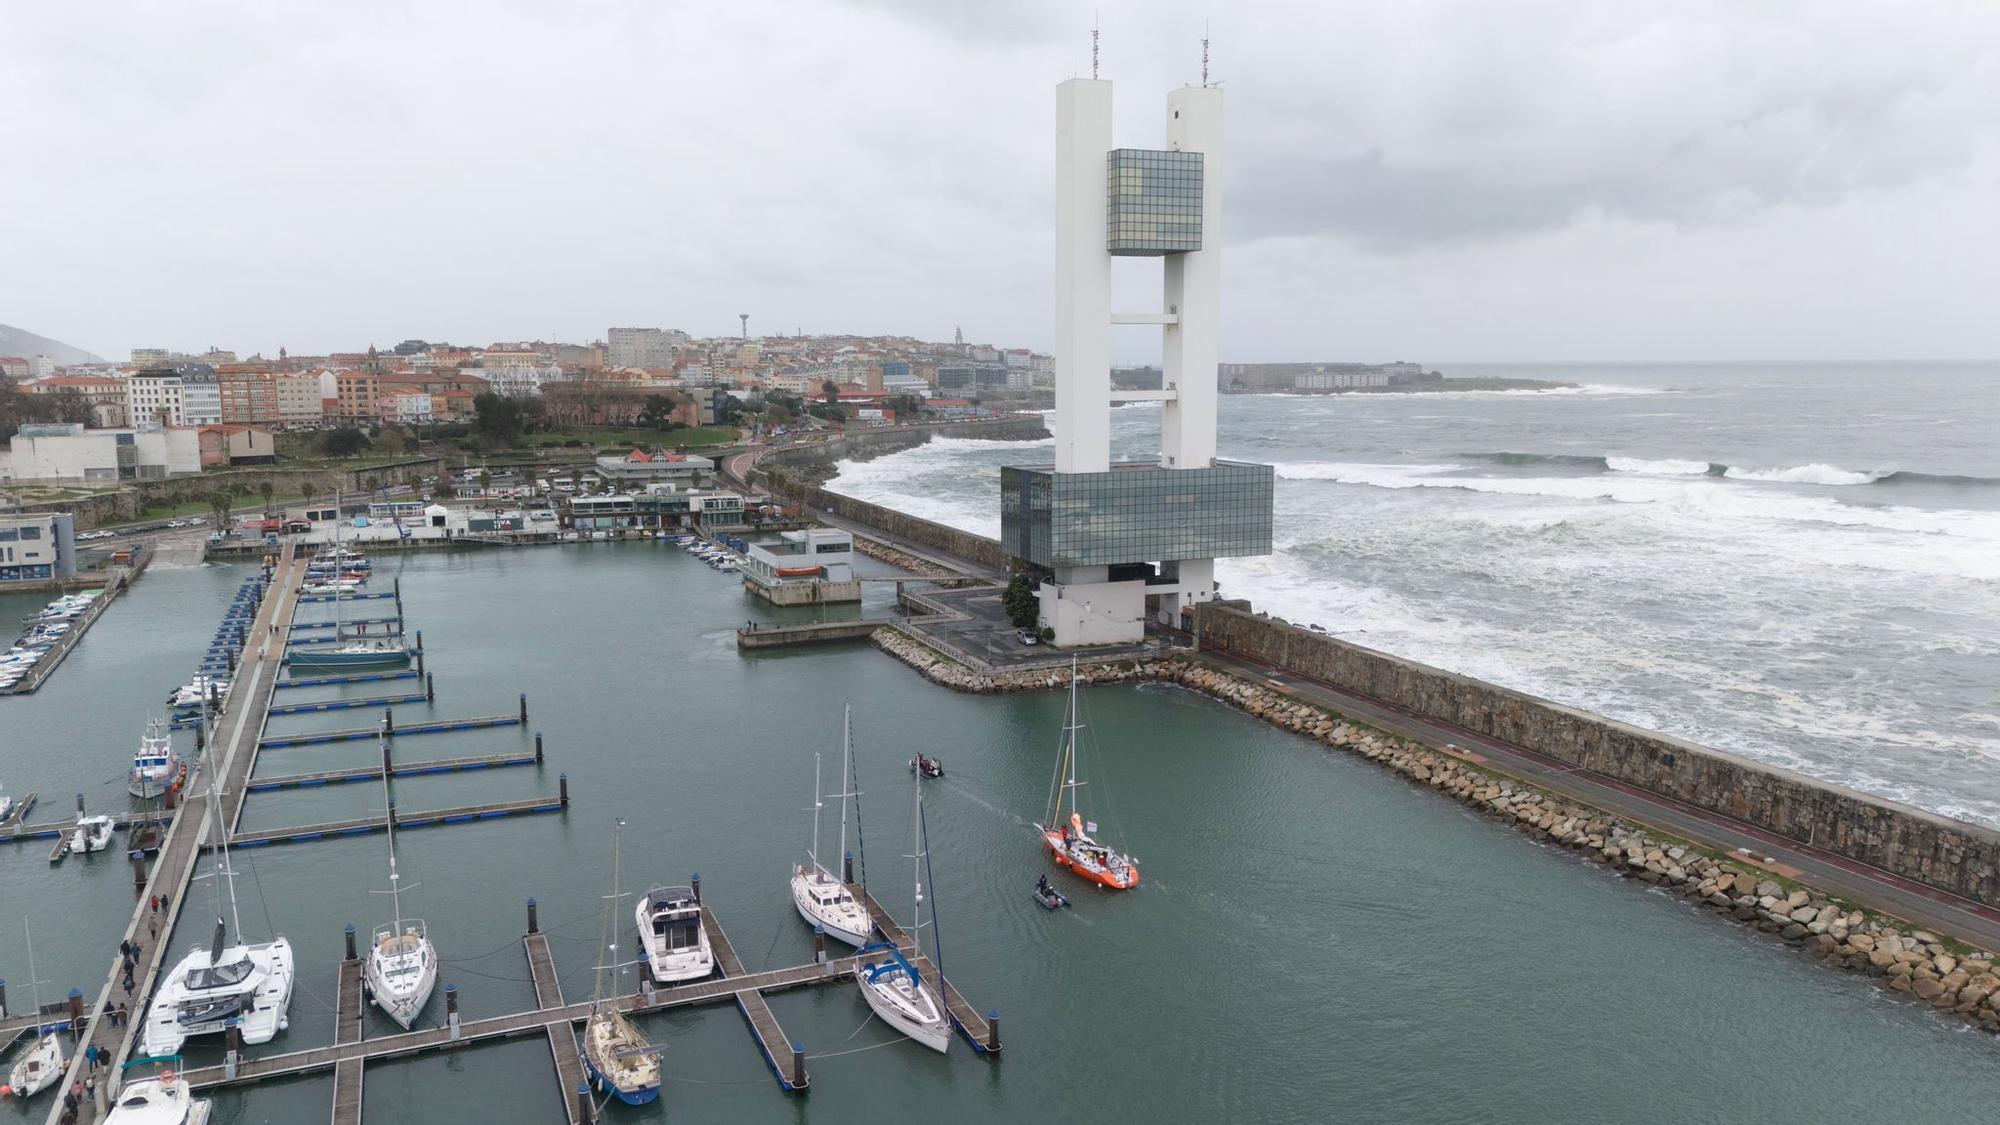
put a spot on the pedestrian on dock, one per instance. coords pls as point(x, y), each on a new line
point(122, 1017)
point(166, 902)
point(154, 902)
point(90, 1056)
point(128, 985)
point(90, 1088)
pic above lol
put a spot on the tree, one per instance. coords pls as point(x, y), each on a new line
point(485, 481)
point(391, 441)
point(344, 442)
point(1023, 608)
point(497, 419)
point(266, 489)
point(657, 413)
point(831, 390)
point(219, 503)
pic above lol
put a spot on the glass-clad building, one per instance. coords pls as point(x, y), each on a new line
point(1155, 202)
point(1135, 513)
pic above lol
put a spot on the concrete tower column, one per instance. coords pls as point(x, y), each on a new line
point(1193, 290)
point(1082, 422)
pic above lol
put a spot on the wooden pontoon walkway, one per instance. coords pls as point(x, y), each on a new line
point(347, 1031)
point(363, 826)
point(562, 1034)
point(356, 734)
point(400, 769)
point(347, 704)
point(350, 678)
point(771, 1038)
point(230, 753)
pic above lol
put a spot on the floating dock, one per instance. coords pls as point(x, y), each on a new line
point(346, 1032)
point(309, 626)
point(350, 678)
point(556, 1019)
point(363, 826)
point(356, 734)
point(347, 704)
point(374, 773)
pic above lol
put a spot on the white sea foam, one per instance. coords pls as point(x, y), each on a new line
point(1660, 468)
point(1804, 474)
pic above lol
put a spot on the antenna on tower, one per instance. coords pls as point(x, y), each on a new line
point(1204, 54)
point(1093, 44)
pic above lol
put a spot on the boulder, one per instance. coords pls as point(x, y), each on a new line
point(1804, 914)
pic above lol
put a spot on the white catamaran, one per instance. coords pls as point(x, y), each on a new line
point(822, 899)
point(402, 963)
point(208, 988)
point(894, 988)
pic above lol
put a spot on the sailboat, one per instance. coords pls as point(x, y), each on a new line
point(402, 963)
point(350, 650)
point(250, 985)
point(156, 768)
point(822, 899)
point(42, 1065)
point(618, 1057)
point(894, 989)
point(164, 1099)
point(1072, 841)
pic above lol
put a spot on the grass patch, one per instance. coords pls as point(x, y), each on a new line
point(627, 438)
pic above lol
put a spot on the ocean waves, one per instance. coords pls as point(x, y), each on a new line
point(1813, 473)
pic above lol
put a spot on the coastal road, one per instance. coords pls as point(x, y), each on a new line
point(1925, 906)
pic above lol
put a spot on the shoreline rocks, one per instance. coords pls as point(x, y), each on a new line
point(1951, 978)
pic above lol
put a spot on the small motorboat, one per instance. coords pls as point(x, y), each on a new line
point(1049, 897)
point(926, 767)
point(92, 834)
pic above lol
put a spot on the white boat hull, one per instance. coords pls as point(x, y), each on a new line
point(934, 1033)
point(265, 1012)
point(400, 983)
point(37, 1070)
point(845, 926)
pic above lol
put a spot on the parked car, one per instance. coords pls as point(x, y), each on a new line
point(1028, 637)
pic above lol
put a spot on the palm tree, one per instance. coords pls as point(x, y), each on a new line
point(219, 503)
point(485, 481)
point(267, 488)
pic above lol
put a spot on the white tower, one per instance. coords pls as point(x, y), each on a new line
point(1115, 543)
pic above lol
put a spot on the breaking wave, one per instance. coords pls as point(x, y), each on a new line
point(1816, 473)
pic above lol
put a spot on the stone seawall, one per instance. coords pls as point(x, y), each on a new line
point(128, 503)
point(1951, 978)
point(1961, 858)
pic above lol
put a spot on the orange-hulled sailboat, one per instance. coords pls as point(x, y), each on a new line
point(1070, 838)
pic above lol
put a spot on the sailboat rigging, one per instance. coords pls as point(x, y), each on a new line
point(402, 962)
point(893, 987)
point(619, 1058)
point(1071, 839)
point(821, 898)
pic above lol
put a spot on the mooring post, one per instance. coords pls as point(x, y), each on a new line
point(232, 1036)
point(3, 998)
point(524, 708)
point(200, 736)
point(76, 1010)
point(349, 934)
point(420, 650)
point(799, 1065)
point(79, 804)
point(533, 927)
point(172, 796)
point(993, 1030)
point(430, 689)
point(562, 788)
point(538, 748)
point(451, 1010)
point(138, 867)
point(847, 867)
point(584, 1108)
point(819, 943)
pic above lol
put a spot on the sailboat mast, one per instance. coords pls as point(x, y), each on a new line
point(389, 824)
point(339, 601)
point(813, 852)
point(228, 873)
point(937, 932)
point(617, 842)
point(1075, 722)
point(917, 857)
point(846, 777)
point(34, 978)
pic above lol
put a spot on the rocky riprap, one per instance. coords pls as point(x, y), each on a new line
point(1949, 977)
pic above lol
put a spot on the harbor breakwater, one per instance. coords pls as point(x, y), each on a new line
point(1953, 856)
point(1949, 976)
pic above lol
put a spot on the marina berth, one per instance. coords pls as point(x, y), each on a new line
point(164, 1099)
point(673, 936)
point(820, 898)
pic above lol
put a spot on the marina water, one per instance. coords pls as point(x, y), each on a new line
point(1315, 940)
point(1796, 562)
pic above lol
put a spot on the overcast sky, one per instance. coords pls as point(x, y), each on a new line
point(1420, 179)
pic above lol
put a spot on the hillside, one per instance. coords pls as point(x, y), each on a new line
point(23, 343)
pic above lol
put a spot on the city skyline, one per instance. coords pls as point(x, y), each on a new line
point(1420, 181)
